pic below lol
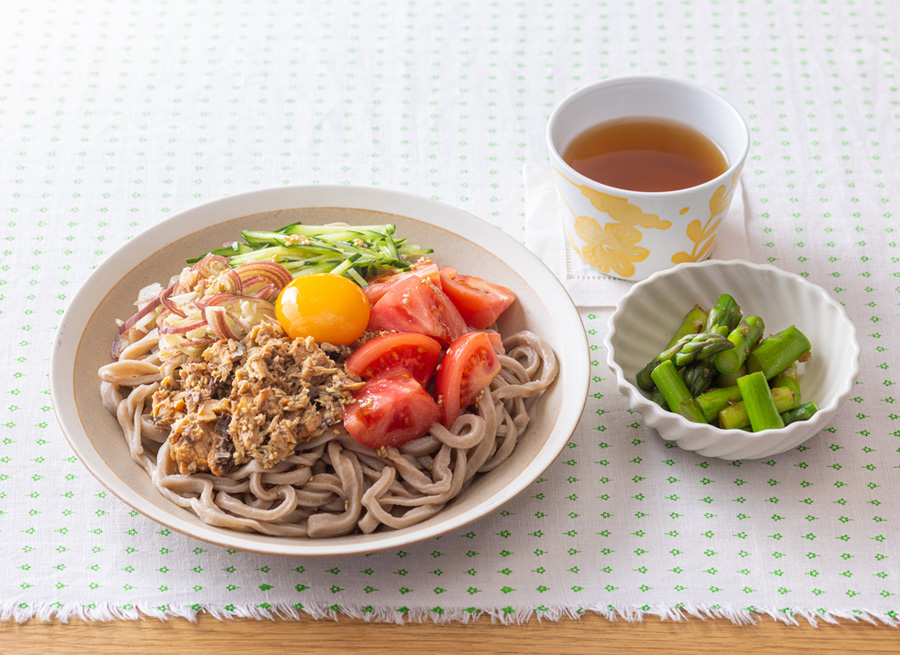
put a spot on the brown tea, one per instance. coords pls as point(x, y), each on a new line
point(645, 154)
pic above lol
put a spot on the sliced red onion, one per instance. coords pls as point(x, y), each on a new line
point(220, 299)
point(237, 284)
point(207, 266)
point(181, 329)
point(258, 302)
point(120, 343)
point(253, 280)
point(217, 319)
point(150, 291)
point(190, 344)
point(271, 272)
point(141, 313)
point(164, 298)
point(269, 292)
point(232, 302)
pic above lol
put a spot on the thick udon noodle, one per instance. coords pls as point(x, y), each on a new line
point(333, 485)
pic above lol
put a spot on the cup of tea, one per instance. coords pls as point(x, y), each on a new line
point(646, 168)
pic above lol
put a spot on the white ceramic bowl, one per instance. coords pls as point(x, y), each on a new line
point(652, 310)
point(674, 226)
point(458, 239)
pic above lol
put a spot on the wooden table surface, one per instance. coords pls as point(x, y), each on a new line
point(591, 634)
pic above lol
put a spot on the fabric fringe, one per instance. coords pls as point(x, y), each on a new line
point(22, 612)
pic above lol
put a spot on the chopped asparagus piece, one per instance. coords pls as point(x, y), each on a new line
point(698, 376)
point(802, 413)
point(788, 378)
point(778, 351)
point(762, 410)
point(724, 316)
point(744, 337)
point(673, 389)
point(735, 416)
point(692, 323)
point(699, 347)
point(717, 399)
point(659, 399)
point(730, 380)
point(688, 349)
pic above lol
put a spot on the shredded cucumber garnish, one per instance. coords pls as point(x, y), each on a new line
point(359, 253)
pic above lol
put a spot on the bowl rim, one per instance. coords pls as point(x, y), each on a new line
point(622, 84)
point(654, 415)
point(157, 237)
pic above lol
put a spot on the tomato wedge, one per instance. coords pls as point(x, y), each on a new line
point(496, 342)
point(468, 367)
point(480, 302)
point(415, 353)
point(425, 268)
point(416, 305)
point(390, 410)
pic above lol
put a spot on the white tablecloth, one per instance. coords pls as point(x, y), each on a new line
point(113, 115)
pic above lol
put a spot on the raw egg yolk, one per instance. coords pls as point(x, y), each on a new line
point(329, 308)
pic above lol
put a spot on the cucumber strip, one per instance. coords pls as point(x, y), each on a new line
point(391, 247)
point(320, 230)
point(413, 251)
point(354, 275)
point(311, 270)
point(286, 228)
point(279, 253)
point(254, 236)
point(356, 252)
point(345, 265)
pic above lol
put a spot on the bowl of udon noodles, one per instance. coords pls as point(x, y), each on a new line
point(332, 495)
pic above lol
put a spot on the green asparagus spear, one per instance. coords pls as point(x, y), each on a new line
point(699, 347)
point(688, 349)
point(778, 351)
point(716, 399)
point(802, 413)
point(735, 416)
point(724, 316)
point(744, 337)
point(644, 380)
point(758, 400)
point(698, 376)
point(730, 380)
point(673, 389)
point(788, 378)
point(692, 323)
point(659, 399)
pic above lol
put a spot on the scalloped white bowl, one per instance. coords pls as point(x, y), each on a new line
point(648, 315)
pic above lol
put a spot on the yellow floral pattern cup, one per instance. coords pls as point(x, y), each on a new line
point(633, 234)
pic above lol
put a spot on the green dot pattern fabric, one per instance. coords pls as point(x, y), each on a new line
point(116, 115)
